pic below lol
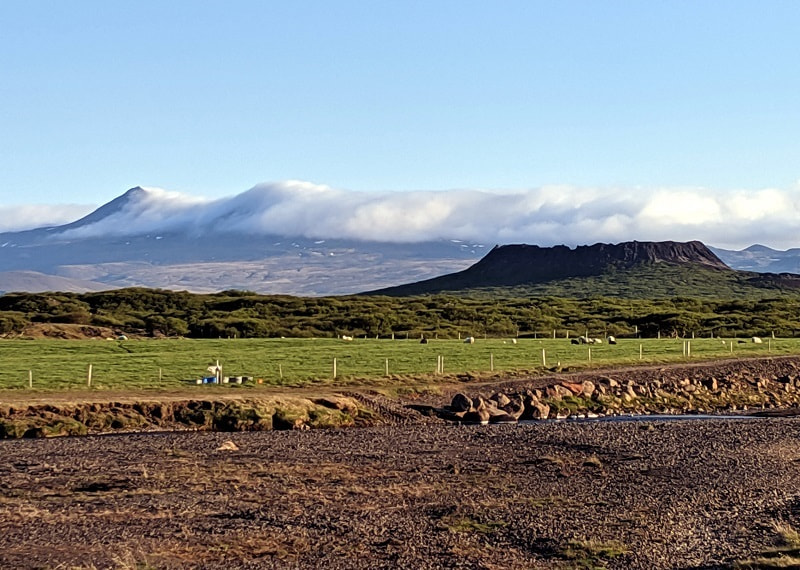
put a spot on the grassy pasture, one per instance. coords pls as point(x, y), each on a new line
point(136, 364)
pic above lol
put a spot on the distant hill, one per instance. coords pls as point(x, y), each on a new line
point(762, 259)
point(35, 282)
point(628, 269)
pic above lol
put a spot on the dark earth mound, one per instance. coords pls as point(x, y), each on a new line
point(511, 265)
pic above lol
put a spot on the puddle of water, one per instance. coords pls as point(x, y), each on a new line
point(653, 417)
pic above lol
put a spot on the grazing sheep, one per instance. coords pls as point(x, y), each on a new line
point(611, 339)
point(345, 337)
point(469, 340)
point(423, 340)
point(756, 340)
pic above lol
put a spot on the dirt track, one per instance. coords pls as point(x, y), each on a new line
point(694, 494)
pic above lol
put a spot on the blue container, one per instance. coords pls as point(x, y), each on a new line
point(210, 380)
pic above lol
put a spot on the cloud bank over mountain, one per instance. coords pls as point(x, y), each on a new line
point(25, 217)
point(546, 216)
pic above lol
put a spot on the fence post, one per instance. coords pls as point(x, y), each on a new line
point(89, 377)
point(544, 359)
point(640, 352)
point(387, 366)
point(491, 361)
point(30, 378)
point(334, 369)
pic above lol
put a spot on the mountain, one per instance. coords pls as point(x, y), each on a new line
point(192, 251)
point(762, 259)
point(637, 269)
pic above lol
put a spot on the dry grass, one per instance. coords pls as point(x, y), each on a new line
point(785, 555)
point(592, 553)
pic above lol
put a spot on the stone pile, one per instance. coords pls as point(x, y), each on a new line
point(667, 391)
point(497, 408)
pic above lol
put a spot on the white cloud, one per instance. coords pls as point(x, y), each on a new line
point(27, 217)
point(546, 216)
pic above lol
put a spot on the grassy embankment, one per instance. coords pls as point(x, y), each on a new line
point(175, 363)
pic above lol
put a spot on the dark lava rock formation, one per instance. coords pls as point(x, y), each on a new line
point(512, 265)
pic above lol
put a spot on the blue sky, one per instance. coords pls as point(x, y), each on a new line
point(211, 98)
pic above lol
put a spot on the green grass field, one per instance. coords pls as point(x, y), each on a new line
point(175, 363)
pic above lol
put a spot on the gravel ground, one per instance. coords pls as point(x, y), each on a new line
point(688, 494)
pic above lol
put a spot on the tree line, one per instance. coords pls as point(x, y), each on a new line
point(242, 314)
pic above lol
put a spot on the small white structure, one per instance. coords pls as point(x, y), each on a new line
point(216, 370)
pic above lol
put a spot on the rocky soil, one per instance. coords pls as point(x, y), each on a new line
point(244, 482)
point(695, 494)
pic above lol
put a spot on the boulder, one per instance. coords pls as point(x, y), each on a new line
point(530, 399)
point(538, 411)
point(552, 393)
point(515, 408)
point(477, 416)
point(502, 418)
point(494, 412)
point(461, 403)
point(607, 382)
point(574, 388)
point(501, 399)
